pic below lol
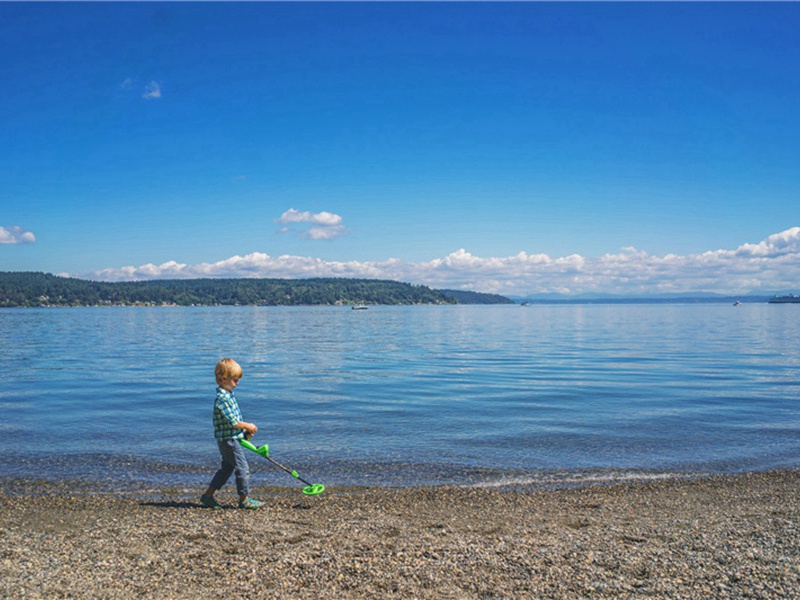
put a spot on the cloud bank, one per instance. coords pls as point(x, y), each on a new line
point(323, 225)
point(16, 235)
point(772, 264)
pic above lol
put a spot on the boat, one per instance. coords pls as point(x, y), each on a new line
point(790, 299)
point(359, 307)
point(737, 303)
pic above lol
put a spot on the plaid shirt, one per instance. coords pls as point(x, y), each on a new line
point(226, 415)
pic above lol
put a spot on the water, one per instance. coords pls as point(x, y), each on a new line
point(474, 395)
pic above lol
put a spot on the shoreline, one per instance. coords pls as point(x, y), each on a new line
point(715, 536)
point(185, 491)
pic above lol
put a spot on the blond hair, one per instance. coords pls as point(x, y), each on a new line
point(227, 368)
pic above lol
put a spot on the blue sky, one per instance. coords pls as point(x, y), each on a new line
point(508, 147)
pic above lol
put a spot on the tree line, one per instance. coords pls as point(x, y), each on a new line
point(29, 289)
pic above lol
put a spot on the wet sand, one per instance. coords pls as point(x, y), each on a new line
point(715, 537)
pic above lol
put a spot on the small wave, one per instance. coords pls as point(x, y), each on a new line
point(561, 479)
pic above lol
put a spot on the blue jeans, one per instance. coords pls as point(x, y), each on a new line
point(233, 461)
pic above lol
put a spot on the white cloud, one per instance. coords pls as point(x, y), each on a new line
point(773, 264)
point(325, 225)
point(16, 235)
point(152, 90)
point(324, 233)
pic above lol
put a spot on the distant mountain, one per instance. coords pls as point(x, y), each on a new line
point(29, 289)
point(686, 298)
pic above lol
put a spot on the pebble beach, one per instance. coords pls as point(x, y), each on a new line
point(731, 536)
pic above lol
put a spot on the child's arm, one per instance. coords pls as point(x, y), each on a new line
point(226, 407)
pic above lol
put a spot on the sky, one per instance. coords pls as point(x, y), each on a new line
point(518, 148)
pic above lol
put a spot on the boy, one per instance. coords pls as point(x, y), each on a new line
point(229, 429)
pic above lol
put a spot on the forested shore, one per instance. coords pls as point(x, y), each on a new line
point(29, 289)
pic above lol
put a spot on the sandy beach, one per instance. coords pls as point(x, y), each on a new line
point(715, 537)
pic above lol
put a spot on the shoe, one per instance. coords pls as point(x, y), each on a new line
point(209, 501)
point(251, 504)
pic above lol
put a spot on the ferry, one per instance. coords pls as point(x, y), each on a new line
point(790, 299)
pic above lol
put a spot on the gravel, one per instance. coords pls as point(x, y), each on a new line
point(735, 536)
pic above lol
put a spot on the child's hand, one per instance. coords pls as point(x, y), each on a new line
point(249, 430)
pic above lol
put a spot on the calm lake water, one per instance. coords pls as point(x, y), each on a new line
point(478, 395)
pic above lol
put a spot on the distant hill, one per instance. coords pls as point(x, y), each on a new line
point(28, 289)
point(464, 297)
